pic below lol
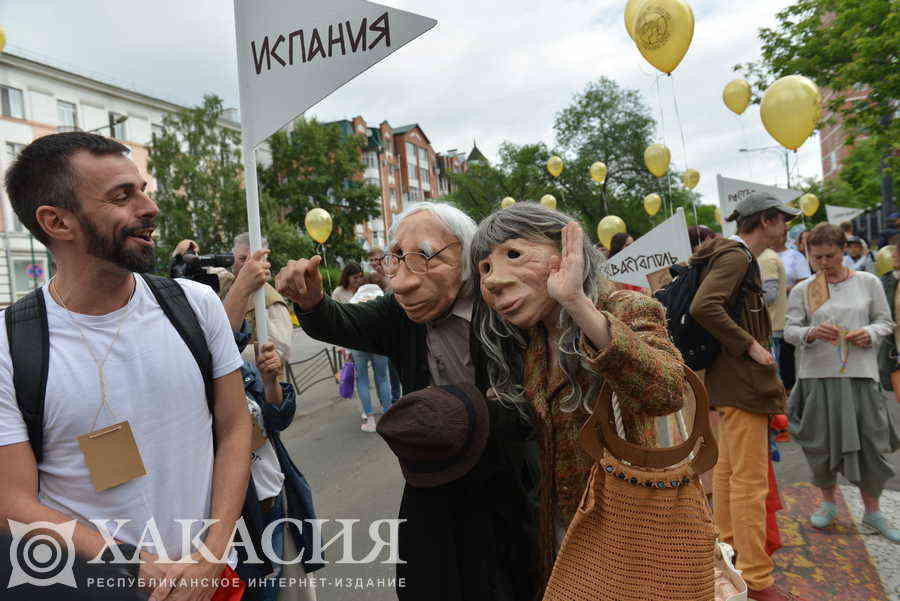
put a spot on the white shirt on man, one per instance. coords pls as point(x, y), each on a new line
point(155, 384)
point(796, 267)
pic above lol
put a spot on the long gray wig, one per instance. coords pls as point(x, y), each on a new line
point(503, 342)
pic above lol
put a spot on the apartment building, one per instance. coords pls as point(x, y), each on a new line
point(36, 99)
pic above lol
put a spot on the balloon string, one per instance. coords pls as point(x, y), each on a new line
point(678, 119)
point(744, 136)
point(662, 114)
point(325, 264)
point(683, 144)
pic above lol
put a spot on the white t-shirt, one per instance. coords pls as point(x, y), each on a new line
point(154, 383)
point(267, 475)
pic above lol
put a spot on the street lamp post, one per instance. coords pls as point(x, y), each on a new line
point(785, 153)
point(119, 120)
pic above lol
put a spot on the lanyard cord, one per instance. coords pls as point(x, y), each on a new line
point(100, 373)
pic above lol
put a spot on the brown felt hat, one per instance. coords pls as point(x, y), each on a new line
point(438, 434)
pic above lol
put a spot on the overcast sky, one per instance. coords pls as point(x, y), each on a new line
point(491, 70)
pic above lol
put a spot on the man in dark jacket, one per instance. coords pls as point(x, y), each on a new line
point(422, 326)
point(743, 383)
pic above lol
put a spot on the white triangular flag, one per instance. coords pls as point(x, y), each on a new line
point(294, 53)
point(838, 215)
point(665, 245)
point(732, 191)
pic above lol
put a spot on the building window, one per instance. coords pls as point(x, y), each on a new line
point(834, 160)
point(67, 114)
point(373, 181)
point(412, 171)
point(117, 125)
point(411, 156)
point(27, 275)
point(423, 157)
point(12, 102)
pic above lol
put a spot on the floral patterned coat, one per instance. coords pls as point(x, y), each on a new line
point(643, 368)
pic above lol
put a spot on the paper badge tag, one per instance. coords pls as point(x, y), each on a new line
point(259, 437)
point(817, 293)
point(112, 456)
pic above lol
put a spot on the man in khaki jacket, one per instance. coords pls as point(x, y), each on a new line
point(743, 383)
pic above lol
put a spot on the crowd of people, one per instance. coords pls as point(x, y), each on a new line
point(504, 339)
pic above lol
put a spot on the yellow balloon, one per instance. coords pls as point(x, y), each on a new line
point(631, 16)
point(736, 95)
point(652, 204)
point(598, 172)
point(608, 227)
point(790, 110)
point(507, 202)
point(549, 201)
point(884, 260)
point(718, 215)
point(555, 166)
point(690, 178)
point(809, 204)
point(657, 158)
point(2, 39)
point(663, 30)
point(318, 224)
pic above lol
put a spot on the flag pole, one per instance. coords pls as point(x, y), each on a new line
point(253, 226)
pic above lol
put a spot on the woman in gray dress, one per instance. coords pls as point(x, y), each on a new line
point(838, 410)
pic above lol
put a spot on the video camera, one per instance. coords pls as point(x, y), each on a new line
point(190, 265)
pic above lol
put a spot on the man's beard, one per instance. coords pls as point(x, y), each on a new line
point(115, 250)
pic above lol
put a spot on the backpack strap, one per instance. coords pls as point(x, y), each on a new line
point(29, 349)
point(174, 303)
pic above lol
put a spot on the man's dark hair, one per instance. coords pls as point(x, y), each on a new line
point(846, 226)
point(617, 243)
point(42, 174)
point(750, 223)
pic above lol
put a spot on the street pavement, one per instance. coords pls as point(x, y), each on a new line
point(354, 475)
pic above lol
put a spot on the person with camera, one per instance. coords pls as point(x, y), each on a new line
point(249, 273)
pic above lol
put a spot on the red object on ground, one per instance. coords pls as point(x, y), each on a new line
point(779, 422)
point(228, 591)
point(773, 505)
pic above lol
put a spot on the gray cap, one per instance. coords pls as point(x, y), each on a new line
point(758, 202)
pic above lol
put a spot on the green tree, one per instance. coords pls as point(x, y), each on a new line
point(317, 165)
point(604, 123)
point(520, 173)
point(196, 162)
point(845, 46)
point(607, 123)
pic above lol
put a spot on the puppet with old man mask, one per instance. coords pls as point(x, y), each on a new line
point(543, 300)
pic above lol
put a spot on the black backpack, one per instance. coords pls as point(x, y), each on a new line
point(698, 347)
point(28, 334)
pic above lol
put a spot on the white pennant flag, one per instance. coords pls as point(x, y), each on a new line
point(838, 215)
point(665, 245)
point(294, 53)
point(732, 191)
